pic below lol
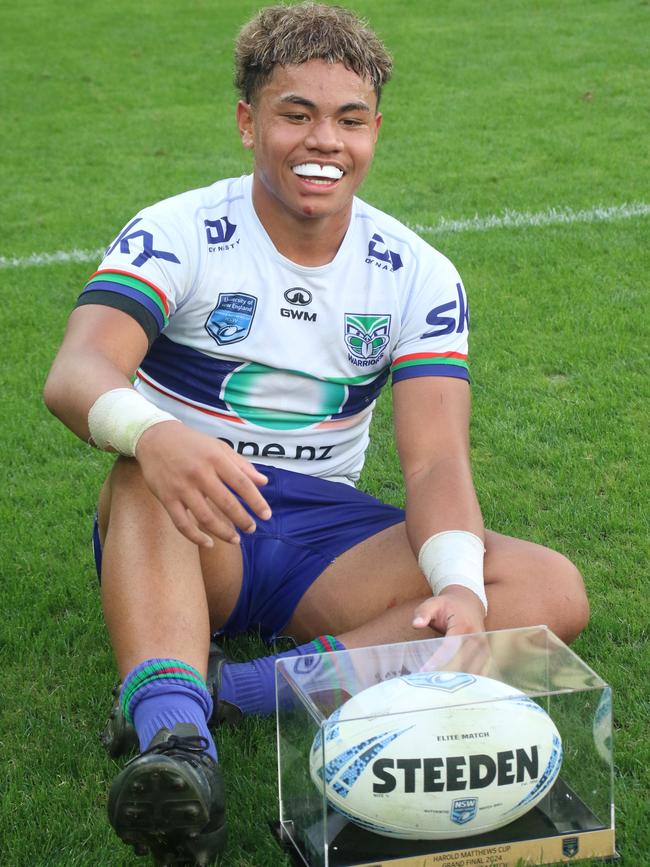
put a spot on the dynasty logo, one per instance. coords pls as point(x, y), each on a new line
point(219, 234)
point(380, 256)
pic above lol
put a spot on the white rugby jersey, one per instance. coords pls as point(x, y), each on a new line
point(283, 362)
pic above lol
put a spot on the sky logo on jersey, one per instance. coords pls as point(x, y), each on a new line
point(126, 237)
point(231, 319)
point(382, 257)
point(219, 232)
point(366, 337)
point(457, 322)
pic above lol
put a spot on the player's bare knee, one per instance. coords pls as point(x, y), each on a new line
point(580, 608)
point(126, 471)
point(125, 480)
point(571, 602)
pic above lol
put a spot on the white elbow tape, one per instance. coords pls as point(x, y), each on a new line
point(119, 417)
point(454, 557)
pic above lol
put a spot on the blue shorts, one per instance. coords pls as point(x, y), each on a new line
point(313, 522)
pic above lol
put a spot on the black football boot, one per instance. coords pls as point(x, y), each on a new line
point(169, 800)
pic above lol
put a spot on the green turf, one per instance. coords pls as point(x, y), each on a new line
point(494, 106)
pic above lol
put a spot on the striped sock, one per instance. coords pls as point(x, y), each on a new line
point(158, 693)
point(251, 685)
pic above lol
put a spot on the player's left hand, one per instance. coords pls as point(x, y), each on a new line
point(456, 611)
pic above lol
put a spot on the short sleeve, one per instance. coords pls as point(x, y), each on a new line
point(433, 339)
point(144, 272)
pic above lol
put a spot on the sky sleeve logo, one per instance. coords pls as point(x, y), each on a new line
point(145, 238)
point(448, 324)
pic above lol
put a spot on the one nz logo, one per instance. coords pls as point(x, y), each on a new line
point(366, 337)
point(381, 257)
point(231, 319)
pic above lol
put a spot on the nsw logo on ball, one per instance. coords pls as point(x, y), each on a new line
point(464, 810)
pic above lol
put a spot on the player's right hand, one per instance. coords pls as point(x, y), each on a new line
point(196, 477)
point(456, 611)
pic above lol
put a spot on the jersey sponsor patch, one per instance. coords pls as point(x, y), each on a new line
point(457, 322)
point(219, 234)
point(231, 320)
point(381, 256)
point(140, 242)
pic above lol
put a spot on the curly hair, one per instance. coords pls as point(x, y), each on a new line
point(289, 35)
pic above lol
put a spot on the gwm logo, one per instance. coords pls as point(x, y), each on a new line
point(366, 337)
point(298, 297)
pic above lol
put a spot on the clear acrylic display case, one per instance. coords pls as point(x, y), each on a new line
point(574, 821)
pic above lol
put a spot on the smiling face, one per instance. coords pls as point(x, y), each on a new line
point(312, 129)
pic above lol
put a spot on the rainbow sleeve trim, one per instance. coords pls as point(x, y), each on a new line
point(122, 283)
point(430, 364)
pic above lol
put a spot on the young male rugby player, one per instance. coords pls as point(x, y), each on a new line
point(261, 316)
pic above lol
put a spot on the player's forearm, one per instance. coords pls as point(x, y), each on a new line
point(441, 497)
point(446, 532)
point(74, 384)
point(101, 350)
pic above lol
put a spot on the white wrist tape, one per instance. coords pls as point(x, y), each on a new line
point(454, 557)
point(119, 417)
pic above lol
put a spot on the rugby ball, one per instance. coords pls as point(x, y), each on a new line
point(436, 755)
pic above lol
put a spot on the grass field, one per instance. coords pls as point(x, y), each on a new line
point(531, 117)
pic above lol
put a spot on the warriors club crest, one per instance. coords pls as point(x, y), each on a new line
point(366, 337)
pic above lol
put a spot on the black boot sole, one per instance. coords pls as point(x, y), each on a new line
point(162, 806)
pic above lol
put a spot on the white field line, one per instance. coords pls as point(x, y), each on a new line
point(508, 219)
point(60, 257)
point(530, 219)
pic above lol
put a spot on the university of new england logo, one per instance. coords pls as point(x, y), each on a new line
point(366, 337)
point(232, 318)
